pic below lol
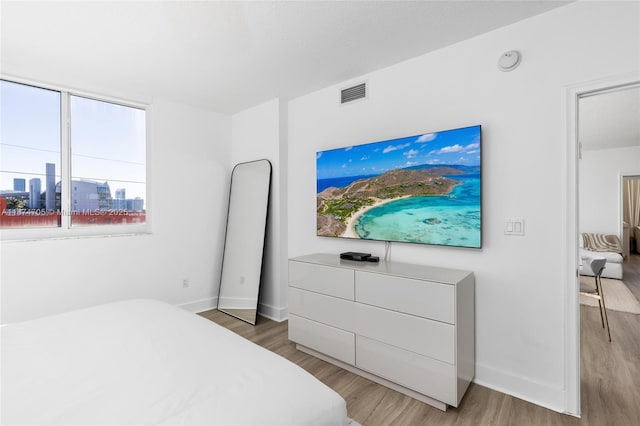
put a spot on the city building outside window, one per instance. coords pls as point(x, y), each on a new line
point(58, 177)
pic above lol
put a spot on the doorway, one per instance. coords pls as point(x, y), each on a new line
point(606, 223)
point(630, 212)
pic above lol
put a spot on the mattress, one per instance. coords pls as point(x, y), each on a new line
point(147, 362)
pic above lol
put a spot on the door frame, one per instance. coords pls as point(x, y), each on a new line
point(570, 257)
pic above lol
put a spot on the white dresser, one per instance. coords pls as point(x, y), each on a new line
point(408, 327)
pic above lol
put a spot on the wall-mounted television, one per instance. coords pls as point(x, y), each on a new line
point(424, 189)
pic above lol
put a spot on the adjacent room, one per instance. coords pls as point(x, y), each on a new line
point(314, 212)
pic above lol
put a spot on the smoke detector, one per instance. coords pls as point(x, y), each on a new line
point(509, 61)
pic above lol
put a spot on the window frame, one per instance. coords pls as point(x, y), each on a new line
point(65, 230)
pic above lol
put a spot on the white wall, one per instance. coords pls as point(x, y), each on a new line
point(600, 187)
point(519, 290)
point(256, 135)
point(189, 157)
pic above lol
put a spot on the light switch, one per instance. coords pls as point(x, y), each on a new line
point(514, 226)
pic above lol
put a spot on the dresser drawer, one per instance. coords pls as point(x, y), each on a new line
point(422, 298)
point(327, 280)
point(328, 310)
point(332, 341)
point(425, 337)
point(421, 374)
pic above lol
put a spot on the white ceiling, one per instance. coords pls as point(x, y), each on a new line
point(610, 119)
point(228, 56)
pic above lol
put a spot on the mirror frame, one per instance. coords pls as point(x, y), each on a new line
point(245, 241)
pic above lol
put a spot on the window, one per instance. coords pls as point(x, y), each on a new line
point(85, 177)
point(107, 162)
point(30, 137)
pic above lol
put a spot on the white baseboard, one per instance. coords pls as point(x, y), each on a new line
point(201, 305)
point(521, 387)
point(273, 313)
point(267, 311)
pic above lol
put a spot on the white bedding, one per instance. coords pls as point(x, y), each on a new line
point(147, 362)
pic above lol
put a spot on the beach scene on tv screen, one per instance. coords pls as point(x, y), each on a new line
point(417, 189)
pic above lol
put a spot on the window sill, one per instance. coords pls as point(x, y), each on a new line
point(48, 234)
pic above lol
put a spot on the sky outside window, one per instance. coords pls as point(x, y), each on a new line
point(108, 145)
point(29, 133)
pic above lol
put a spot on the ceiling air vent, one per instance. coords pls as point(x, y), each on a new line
point(353, 93)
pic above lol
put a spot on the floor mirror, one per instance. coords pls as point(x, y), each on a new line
point(245, 240)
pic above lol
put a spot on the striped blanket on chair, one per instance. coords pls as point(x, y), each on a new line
point(601, 242)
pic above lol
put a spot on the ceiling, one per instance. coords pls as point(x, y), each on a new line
point(228, 56)
point(610, 119)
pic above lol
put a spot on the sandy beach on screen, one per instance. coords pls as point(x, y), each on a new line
point(351, 222)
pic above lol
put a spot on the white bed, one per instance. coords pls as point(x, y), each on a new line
point(602, 245)
point(146, 362)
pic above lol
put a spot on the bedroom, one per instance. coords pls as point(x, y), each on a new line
point(519, 351)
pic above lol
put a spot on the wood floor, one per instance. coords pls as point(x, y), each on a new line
point(610, 381)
